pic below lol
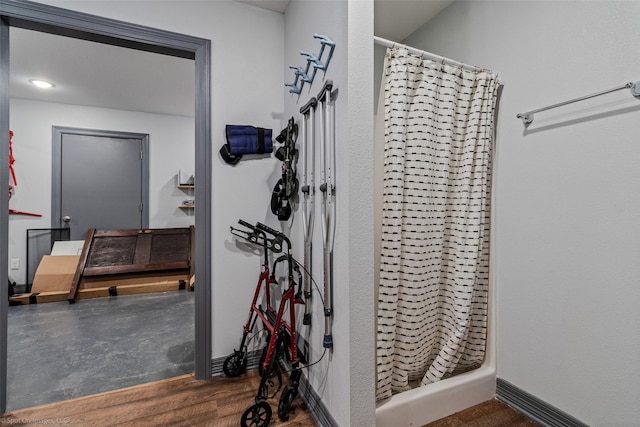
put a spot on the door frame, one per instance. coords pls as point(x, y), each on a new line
point(56, 170)
point(58, 21)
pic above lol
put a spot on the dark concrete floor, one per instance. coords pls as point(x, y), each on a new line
point(59, 351)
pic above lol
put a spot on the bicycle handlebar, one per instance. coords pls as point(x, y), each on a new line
point(246, 224)
point(268, 229)
point(279, 235)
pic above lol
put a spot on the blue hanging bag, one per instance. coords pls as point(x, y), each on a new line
point(243, 139)
point(248, 140)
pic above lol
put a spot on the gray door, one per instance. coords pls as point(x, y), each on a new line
point(100, 180)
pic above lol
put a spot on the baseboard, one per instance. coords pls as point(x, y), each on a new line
point(534, 408)
point(309, 396)
point(318, 411)
point(253, 359)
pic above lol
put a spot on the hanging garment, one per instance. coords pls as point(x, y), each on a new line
point(434, 263)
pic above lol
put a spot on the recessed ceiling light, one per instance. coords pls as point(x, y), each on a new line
point(41, 84)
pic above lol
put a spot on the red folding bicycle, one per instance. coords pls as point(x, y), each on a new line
point(280, 324)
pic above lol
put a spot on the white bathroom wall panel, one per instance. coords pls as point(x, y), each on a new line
point(566, 189)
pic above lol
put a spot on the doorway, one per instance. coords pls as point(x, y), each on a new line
point(100, 179)
point(58, 21)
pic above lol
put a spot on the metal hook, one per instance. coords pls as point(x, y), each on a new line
point(294, 88)
point(300, 72)
point(314, 59)
point(324, 39)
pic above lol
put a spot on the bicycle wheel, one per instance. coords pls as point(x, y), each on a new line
point(235, 364)
point(256, 415)
point(286, 399)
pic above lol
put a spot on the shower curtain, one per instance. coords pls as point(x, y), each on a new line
point(434, 261)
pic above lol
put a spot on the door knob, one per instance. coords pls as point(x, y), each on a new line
point(66, 218)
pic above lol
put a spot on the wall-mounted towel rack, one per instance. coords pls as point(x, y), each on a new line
point(527, 117)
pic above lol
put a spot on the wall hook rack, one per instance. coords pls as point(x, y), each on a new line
point(311, 58)
point(314, 63)
point(301, 74)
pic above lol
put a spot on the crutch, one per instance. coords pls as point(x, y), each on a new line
point(327, 187)
point(308, 189)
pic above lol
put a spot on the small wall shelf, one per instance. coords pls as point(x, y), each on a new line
point(188, 189)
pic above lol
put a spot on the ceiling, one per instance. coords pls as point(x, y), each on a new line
point(99, 75)
point(94, 74)
point(393, 19)
point(275, 5)
point(396, 19)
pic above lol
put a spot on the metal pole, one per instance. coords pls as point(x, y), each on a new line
point(428, 55)
point(527, 117)
point(327, 188)
point(308, 189)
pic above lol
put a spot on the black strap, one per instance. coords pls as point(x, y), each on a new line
point(228, 157)
point(260, 140)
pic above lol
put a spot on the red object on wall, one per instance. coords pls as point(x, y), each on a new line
point(12, 159)
point(13, 178)
point(15, 212)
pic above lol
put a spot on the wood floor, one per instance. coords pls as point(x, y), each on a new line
point(488, 414)
point(179, 401)
point(219, 402)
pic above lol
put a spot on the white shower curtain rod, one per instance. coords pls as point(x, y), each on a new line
point(428, 55)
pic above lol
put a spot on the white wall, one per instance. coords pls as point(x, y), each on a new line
point(171, 147)
point(567, 211)
point(345, 377)
point(247, 79)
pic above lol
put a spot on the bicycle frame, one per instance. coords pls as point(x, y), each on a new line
point(264, 279)
point(288, 301)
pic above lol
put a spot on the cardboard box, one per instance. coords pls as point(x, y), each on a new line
point(93, 282)
point(55, 273)
point(67, 247)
